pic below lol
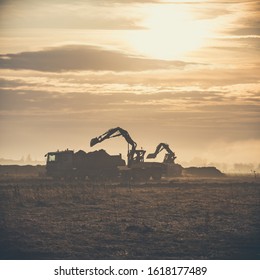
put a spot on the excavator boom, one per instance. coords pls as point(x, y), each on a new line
point(114, 132)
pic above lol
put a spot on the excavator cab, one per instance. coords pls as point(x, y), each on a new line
point(135, 156)
point(169, 158)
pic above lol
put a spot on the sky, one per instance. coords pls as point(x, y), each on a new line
point(184, 73)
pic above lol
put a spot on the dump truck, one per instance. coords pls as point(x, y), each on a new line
point(81, 165)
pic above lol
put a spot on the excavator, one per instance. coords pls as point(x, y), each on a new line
point(172, 169)
point(169, 156)
point(136, 169)
point(133, 155)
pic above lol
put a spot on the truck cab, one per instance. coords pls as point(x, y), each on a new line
point(59, 164)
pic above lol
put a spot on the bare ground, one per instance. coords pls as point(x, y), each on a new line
point(178, 219)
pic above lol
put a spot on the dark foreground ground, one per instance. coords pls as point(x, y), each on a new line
point(179, 219)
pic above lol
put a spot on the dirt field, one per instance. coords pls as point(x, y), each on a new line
point(177, 219)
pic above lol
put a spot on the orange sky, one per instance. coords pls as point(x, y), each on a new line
point(181, 72)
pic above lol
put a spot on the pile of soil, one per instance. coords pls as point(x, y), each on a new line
point(210, 171)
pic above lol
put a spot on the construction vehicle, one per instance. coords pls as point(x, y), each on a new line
point(81, 165)
point(172, 169)
point(133, 155)
point(136, 168)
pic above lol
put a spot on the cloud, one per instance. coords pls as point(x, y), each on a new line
point(68, 15)
point(224, 106)
point(71, 110)
point(78, 57)
point(105, 2)
point(247, 24)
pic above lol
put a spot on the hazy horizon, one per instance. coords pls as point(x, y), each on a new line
point(184, 73)
point(227, 168)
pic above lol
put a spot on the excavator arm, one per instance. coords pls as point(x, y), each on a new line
point(114, 132)
point(169, 157)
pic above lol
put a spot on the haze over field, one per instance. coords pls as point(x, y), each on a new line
point(181, 72)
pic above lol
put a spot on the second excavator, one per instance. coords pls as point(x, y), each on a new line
point(172, 169)
point(168, 158)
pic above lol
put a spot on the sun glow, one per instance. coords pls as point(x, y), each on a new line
point(169, 32)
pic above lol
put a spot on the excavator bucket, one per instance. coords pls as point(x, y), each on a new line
point(93, 141)
point(151, 155)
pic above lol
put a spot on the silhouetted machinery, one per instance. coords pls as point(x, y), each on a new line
point(171, 168)
point(136, 168)
point(93, 165)
point(168, 158)
point(102, 166)
point(133, 155)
